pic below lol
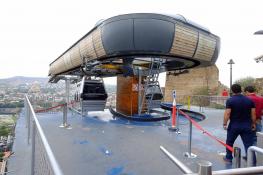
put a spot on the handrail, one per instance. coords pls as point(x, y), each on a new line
point(260, 134)
point(240, 171)
point(54, 165)
point(179, 164)
point(236, 171)
point(250, 154)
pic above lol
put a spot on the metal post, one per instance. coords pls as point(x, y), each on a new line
point(190, 138)
point(65, 113)
point(237, 157)
point(33, 140)
point(205, 168)
point(65, 118)
point(231, 62)
point(67, 91)
point(173, 127)
point(174, 114)
point(230, 77)
point(139, 92)
point(65, 107)
point(189, 154)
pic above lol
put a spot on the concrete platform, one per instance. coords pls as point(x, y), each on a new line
point(100, 145)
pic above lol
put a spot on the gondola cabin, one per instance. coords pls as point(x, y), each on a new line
point(92, 95)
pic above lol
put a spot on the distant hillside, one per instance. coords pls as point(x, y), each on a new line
point(22, 80)
point(17, 80)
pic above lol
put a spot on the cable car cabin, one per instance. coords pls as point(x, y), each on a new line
point(154, 96)
point(92, 95)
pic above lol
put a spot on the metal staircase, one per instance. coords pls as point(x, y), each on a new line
point(150, 86)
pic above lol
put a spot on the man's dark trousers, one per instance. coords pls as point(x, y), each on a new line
point(233, 132)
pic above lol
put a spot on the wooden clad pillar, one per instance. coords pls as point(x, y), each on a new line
point(127, 95)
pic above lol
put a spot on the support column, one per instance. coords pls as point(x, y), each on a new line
point(139, 92)
point(127, 95)
point(66, 107)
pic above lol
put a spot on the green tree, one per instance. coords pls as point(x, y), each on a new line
point(4, 130)
point(246, 81)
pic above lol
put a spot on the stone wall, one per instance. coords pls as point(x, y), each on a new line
point(189, 83)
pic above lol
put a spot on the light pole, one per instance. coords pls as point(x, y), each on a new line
point(231, 62)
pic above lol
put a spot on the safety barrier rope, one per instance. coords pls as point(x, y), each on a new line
point(53, 107)
point(206, 132)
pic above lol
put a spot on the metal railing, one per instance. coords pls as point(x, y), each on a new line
point(251, 153)
point(205, 168)
point(202, 100)
point(177, 162)
point(42, 158)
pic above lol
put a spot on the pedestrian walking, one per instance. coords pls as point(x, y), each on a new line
point(239, 119)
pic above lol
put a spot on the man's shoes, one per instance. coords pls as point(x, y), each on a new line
point(244, 157)
point(226, 160)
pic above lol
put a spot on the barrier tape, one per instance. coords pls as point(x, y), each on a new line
point(53, 107)
point(206, 132)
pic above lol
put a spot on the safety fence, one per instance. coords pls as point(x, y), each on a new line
point(202, 100)
point(205, 167)
point(53, 108)
point(57, 108)
point(42, 158)
point(44, 162)
point(199, 127)
point(196, 100)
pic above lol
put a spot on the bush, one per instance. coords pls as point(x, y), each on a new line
point(217, 106)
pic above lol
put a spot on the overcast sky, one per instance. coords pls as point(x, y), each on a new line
point(33, 33)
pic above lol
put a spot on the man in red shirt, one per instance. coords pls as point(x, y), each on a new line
point(224, 93)
point(250, 93)
point(258, 101)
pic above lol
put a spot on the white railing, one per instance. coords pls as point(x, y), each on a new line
point(251, 154)
point(205, 167)
point(42, 158)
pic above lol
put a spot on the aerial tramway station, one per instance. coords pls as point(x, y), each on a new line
point(135, 48)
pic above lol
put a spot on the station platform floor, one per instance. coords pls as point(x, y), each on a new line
point(97, 144)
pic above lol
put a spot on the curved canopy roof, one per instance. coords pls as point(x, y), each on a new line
point(133, 40)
